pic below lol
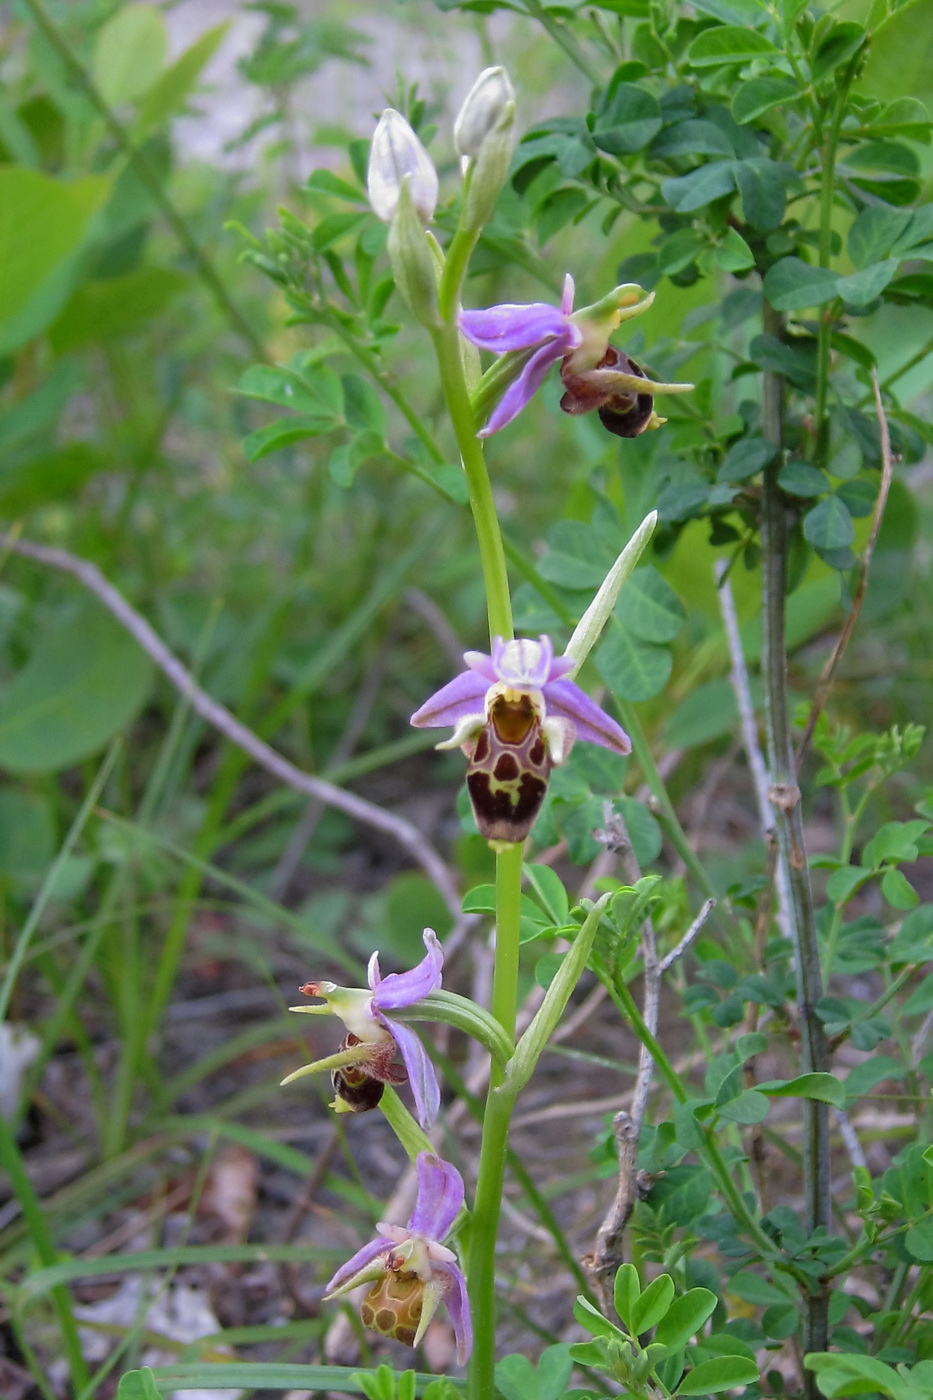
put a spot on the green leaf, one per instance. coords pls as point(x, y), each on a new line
point(795, 359)
point(480, 900)
point(764, 197)
point(631, 119)
point(802, 479)
point(282, 433)
point(649, 608)
point(919, 1241)
point(825, 1088)
point(745, 458)
point(829, 525)
point(759, 95)
point(864, 1077)
point(653, 1303)
point(733, 253)
point(863, 287)
point(693, 137)
point(898, 890)
point(129, 53)
point(746, 1108)
point(753, 1289)
point(111, 307)
point(632, 668)
point(842, 884)
point(708, 182)
point(517, 1379)
point(781, 1321)
point(175, 84)
point(626, 1292)
point(644, 831)
point(838, 46)
point(708, 712)
point(138, 1385)
point(685, 1317)
point(791, 285)
point(549, 888)
point(875, 233)
point(895, 841)
point(326, 182)
point(318, 393)
point(84, 681)
point(722, 1373)
point(43, 225)
point(728, 43)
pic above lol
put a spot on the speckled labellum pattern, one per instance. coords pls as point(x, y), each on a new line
point(394, 1304)
point(508, 770)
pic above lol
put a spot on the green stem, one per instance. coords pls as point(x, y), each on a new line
point(485, 519)
point(487, 1204)
point(148, 177)
point(12, 1163)
point(508, 914)
point(792, 844)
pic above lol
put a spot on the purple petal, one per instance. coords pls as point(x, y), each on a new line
point(458, 1305)
point(402, 988)
point(464, 695)
point(560, 666)
point(359, 1260)
point(421, 1073)
point(513, 327)
point(481, 663)
point(566, 699)
point(440, 1197)
point(522, 389)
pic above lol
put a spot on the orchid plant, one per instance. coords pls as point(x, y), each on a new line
point(516, 713)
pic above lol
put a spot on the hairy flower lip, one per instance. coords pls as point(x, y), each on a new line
point(418, 1248)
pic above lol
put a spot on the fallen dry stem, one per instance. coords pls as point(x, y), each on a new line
point(404, 832)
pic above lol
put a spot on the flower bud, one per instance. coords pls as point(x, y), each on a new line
point(413, 263)
point(489, 103)
point(484, 137)
point(396, 153)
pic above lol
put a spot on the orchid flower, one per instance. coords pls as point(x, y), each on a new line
point(595, 375)
point(410, 1270)
point(516, 716)
point(368, 1056)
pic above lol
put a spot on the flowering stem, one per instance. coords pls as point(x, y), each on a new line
point(492, 556)
point(508, 914)
point(481, 1273)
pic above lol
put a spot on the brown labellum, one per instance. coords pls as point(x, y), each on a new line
point(361, 1086)
point(508, 771)
point(625, 414)
point(394, 1304)
point(358, 1090)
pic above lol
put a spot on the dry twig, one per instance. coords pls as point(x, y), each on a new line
point(401, 830)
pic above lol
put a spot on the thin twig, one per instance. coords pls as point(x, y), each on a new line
point(399, 828)
point(825, 683)
point(607, 1254)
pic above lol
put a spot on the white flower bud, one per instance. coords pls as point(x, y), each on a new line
point(489, 105)
point(395, 153)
